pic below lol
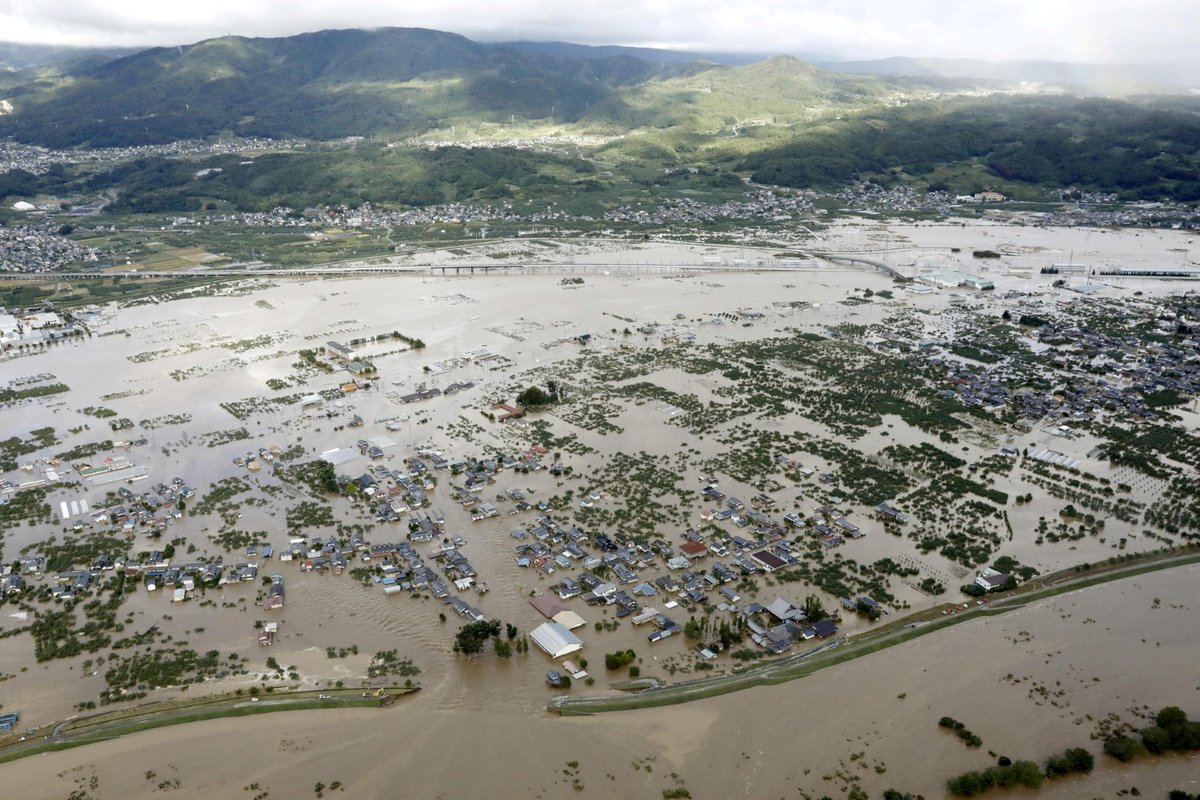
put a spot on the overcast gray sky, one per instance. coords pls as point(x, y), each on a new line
point(1108, 31)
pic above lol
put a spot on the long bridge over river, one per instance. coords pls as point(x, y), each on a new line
point(367, 270)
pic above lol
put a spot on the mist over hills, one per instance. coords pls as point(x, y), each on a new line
point(31, 66)
point(651, 54)
point(927, 123)
point(1105, 79)
point(15, 56)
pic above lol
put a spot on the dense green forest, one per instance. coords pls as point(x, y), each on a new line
point(1041, 144)
point(1140, 151)
point(393, 177)
point(380, 175)
point(322, 85)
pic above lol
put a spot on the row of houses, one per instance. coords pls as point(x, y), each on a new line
point(153, 567)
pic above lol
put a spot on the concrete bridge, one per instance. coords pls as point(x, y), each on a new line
point(879, 265)
point(442, 269)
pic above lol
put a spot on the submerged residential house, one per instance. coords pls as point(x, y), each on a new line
point(11, 585)
point(339, 351)
point(888, 512)
point(990, 580)
point(274, 594)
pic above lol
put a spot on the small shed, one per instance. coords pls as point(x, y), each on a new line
point(574, 670)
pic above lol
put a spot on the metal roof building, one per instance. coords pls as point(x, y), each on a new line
point(555, 639)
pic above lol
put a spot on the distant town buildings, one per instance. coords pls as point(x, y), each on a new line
point(40, 247)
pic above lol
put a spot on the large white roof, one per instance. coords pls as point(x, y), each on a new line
point(555, 639)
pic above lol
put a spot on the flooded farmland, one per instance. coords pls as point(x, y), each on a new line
point(651, 365)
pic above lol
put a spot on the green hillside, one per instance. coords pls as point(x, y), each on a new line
point(779, 121)
point(1140, 150)
point(320, 85)
point(780, 91)
point(380, 175)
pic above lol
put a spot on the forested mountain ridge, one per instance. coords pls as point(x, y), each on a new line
point(778, 121)
point(317, 85)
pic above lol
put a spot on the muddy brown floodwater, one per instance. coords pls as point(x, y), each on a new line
point(478, 726)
